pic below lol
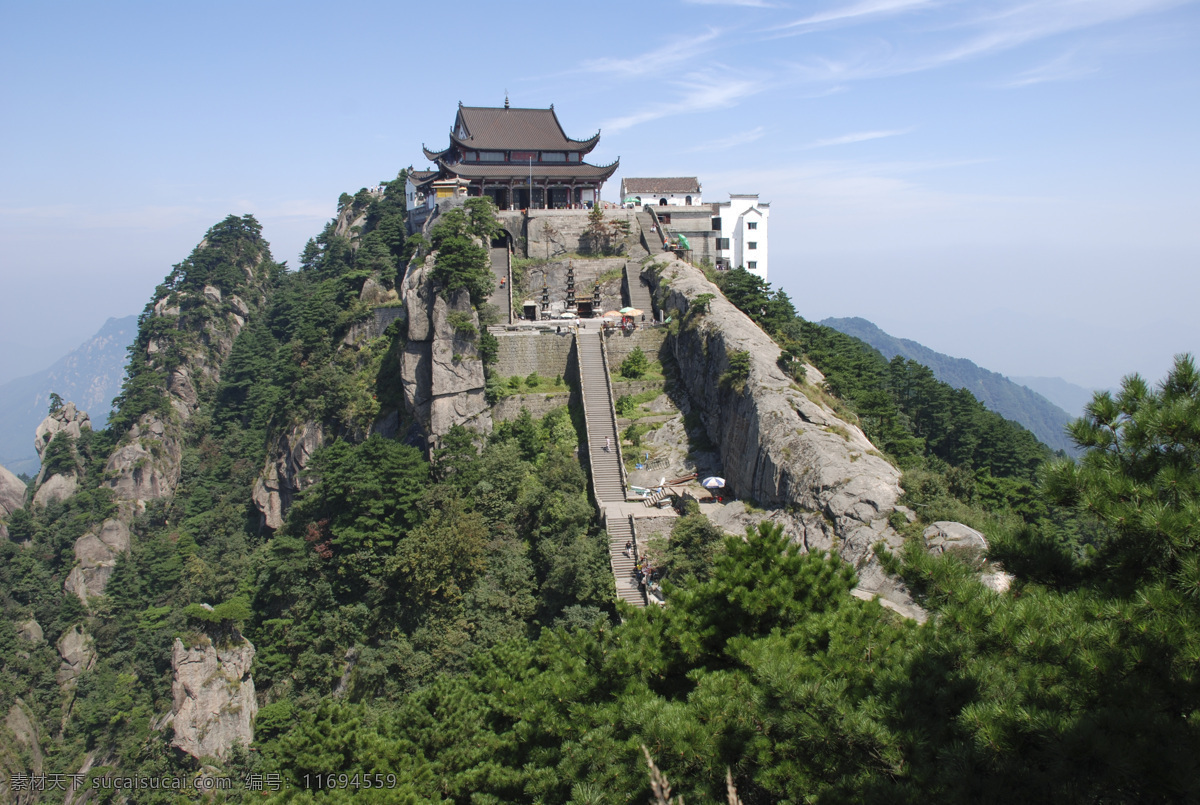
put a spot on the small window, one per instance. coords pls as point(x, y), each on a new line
point(752, 244)
point(752, 225)
point(573, 157)
point(753, 264)
point(491, 156)
point(553, 156)
point(722, 244)
point(716, 225)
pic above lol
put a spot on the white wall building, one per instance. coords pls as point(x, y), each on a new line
point(743, 225)
point(672, 191)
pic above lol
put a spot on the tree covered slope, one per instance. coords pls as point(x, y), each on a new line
point(1011, 400)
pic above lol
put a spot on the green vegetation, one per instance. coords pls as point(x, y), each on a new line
point(734, 378)
point(604, 236)
point(635, 364)
point(462, 262)
point(450, 619)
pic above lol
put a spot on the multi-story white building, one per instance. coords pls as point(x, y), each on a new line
point(672, 191)
point(742, 224)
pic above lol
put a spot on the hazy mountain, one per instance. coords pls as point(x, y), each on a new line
point(1007, 398)
point(90, 376)
point(1067, 396)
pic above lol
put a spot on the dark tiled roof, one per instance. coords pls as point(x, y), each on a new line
point(675, 184)
point(419, 176)
point(580, 170)
point(502, 128)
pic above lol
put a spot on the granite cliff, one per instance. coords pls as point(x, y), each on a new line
point(779, 441)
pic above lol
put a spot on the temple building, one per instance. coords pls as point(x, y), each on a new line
point(521, 158)
point(672, 191)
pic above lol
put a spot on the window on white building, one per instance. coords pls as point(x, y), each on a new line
point(752, 244)
point(753, 264)
point(752, 225)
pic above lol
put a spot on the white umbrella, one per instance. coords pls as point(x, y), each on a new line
point(568, 316)
point(713, 482)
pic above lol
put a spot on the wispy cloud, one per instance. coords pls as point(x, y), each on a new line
point(857, 137)
point(700, 92)
point(733, 140)
point(852, 13)
point(745, 3)
point(673, 53)
point(1064, 68)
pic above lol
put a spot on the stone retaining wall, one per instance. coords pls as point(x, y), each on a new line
point(520, 353)
point(619, 343)
point(538, 405)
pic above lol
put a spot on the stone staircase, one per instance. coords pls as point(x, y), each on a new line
point(501, 297)
point(654, 243)
point(608, 481)
point(608, 477)
point(637, 290)
point(620, 532)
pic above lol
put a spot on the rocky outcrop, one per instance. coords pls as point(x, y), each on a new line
point(31, 632)
point(67, 419)
point(21, 725)
point(97, 555)
point(214, 704)
point(441, 371)
point(12, 493)
point(778, 442)
point(373, 293)
point(70, 422)
point(146, 466)
point(945, 537)
point(78, 655)
point(59, 486)
point(281, 479)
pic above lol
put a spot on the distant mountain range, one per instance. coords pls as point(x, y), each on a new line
point(1011, 400)
point(1067, 396)
point(90, 376)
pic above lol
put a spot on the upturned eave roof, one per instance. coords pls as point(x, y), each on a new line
point(505, 128)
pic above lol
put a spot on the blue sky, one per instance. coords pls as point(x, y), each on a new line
point(1010, 181)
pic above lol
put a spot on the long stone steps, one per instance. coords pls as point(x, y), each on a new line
point(606, 464)
point(501, 296)
point(639, 292)
point(620, 533)
point(608, 483)
point(653, 239)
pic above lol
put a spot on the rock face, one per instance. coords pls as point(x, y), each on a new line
point(56, 487)
point(945, 536)
point(441, 372)
point(778, 443)
point(67, 419)
point(78, 655)
point(145, 465)
point(97, 555)
point(31, 631)
point(280, 481)
point(71, 422)
point(214, 704)
point(12, 492)
point(22, 727)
